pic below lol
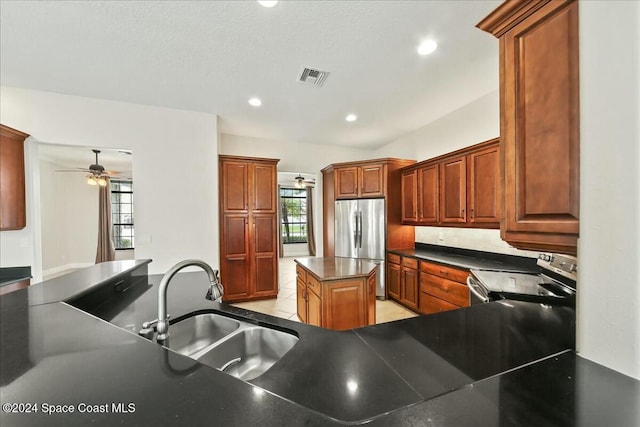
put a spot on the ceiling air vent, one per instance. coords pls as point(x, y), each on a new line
point(312, 76)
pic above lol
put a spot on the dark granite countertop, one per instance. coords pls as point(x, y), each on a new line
point(468, 259)
point(496, 364)
point(334, 268)
point(9, 275)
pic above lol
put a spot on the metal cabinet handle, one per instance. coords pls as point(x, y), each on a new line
point(471, 213)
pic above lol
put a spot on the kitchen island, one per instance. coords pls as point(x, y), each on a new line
point(336, 293)
point(502, 363)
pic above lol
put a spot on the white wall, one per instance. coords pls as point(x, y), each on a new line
point(69, 219)
point(175, 168)
point(294, 156)
point(608, 330)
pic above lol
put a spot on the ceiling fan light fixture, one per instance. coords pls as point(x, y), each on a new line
point(91, 180)
point(102, 181)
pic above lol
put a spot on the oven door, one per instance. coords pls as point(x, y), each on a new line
point(478, 294)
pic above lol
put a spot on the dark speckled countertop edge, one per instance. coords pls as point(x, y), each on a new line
point(468, 259)
point(9, 275)
point(309, 266)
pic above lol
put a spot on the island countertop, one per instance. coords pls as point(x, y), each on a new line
point(334, 268)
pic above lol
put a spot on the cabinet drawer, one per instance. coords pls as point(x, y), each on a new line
point(430, 304)
point(313, 284)
point(445, 289)
point(410, 262)
point(444, 272)
point(301, 273)
point(393, 258)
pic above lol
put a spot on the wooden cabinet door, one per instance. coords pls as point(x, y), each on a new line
point(264, 189)
point(484, 186)
point(371, 299)
point(428, 183)
point(235, 263)
point(540, 126)
point(265, 255)
point(393, 280)
point(301, 300)
point(346, 182)
point(409, 287)
point(12, 180)
point(234, 191)
point(371, 179)
point(453, 190)
point(409, 196)
point(314, 309)
point(430, 304)
point(345, 304)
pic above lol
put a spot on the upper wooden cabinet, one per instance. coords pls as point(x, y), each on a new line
point(453, 190)
point(539, 122)
point(460, 189)
point(248, 228)
point(362, 181)
point(12, 180)
point(377, 178)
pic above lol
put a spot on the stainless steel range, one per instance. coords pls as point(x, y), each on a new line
point(555, 285)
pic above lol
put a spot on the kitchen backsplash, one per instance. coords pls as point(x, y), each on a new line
point(469, 238)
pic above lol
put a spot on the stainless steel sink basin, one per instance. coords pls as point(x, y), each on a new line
point(237, 348)
point(194, 334)
point(250, 352)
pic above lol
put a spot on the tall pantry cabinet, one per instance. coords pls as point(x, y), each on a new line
point(248, 227)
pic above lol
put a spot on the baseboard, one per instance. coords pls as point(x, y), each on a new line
point(61, 268)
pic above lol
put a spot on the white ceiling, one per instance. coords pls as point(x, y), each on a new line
point(212, 56)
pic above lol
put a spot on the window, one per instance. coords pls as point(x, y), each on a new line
point(122, 214)
point(293, 226)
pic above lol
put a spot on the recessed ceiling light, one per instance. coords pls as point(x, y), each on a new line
point(267, 3)
point(427, 47)
point(351, 118)
point(255, 102)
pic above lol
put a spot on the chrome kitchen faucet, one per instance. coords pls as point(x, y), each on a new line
point(214, 293)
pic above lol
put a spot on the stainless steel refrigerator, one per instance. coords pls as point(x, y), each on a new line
point(360, 233)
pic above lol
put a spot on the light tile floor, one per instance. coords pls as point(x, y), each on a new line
point(285, 304)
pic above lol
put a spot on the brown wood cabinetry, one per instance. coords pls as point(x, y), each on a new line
point(459, 189)
point(453, 190)
point(393, 276)
point(12, 179)
point(248, 228)
point(335, 303)
point(403, 280)
point(361, 181)
point(539, 122)
point(366, 179)
point(442, 288)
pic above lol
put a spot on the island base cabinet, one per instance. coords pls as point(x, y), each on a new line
point(346, 304)
point(337, 304)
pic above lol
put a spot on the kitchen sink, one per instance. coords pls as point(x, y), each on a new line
point(235, 347)
point(197, 333)
point(250, 352)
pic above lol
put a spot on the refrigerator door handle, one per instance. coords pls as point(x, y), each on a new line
point(360, 229)
point(355, 229)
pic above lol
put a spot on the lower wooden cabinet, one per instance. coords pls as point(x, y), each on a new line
point(442, 288)
point(426, 287)
point(338, 304)
point(403, 280)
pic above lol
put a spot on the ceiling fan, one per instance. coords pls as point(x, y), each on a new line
point(302, 182)
point(97, 174)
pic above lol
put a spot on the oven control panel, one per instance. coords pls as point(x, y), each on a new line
point(565, 265)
